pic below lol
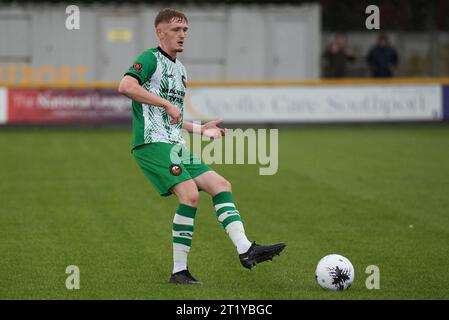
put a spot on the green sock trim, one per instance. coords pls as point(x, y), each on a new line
point(225, 209)
point(230, 219)
point(223, 197)
point(182, 227)
point(186, 211)
point(184, 241)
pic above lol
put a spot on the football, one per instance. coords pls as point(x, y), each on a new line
point(334, 272)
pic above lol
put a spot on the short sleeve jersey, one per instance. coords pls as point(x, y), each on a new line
point(160, 74)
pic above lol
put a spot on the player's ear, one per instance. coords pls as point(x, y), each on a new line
point(159, 31)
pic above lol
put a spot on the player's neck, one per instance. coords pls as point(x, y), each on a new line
point(168, 53)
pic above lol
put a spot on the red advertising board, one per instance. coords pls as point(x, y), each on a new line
point(67, 106)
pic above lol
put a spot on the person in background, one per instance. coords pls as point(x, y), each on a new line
point(336, 57)
point(382, 58)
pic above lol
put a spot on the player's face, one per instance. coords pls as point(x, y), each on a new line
point(172, 35)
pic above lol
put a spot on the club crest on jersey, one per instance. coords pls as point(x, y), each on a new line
point(137, 67)
point(175, 170)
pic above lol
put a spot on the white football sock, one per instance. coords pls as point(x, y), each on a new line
point(243, 245)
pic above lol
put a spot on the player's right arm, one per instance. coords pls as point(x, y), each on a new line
point(130, 87)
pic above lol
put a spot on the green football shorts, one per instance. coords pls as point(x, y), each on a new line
point(166, 165)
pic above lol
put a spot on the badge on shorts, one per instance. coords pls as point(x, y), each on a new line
point(175, 170)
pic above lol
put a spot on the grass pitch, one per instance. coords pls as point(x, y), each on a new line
point(378, 195)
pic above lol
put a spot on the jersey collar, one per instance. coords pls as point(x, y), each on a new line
point(166, 55)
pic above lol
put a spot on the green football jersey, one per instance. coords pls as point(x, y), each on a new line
point(158, 73)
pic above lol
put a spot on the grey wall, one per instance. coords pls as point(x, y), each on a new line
point(224, 43)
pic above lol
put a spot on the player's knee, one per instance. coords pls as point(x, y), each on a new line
point(191, 198)
point(225, 185)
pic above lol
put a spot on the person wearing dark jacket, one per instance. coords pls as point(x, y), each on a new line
point(336, 56)
point(382, 58)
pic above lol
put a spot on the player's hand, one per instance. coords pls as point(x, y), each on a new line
point(174, 113)
point(211, 129)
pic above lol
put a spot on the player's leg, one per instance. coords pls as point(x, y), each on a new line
point(183, 227)
point(167, 178)
point(227, 214)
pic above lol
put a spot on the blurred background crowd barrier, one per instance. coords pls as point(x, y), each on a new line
point(247, 61)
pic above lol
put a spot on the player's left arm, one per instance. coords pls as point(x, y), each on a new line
point(209, 129)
